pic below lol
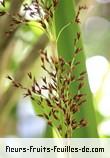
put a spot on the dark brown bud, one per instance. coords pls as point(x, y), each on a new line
point(62, 96)
point(52, 74)
point(55, 2)
point(51, 14)
point(49, 7)
point(3, 3)
point(39, 91)
point(54, 80)
point(43, 25)
point(54, 88)
point(46, 17)
point(80, 78)
point(26, 95)
point(77, 63)
point(55, 98)
point(37, 84)
point(29, 92)
point(74, 126)
point(64, 110)
point(69, 101)
point(83, 73)
point(62, 90)
point(83, 123)
point(78, 97)
point(46, 116)
point(80, 85)
point(77, 50)
point(48, 102)
point(50, 123)
point(77, 20)
point(33, 89)
point(34, 80)
point(82, 7)
point(15, 84)
point(83, 101)
point(59, 105)
point(75, 109)
point(44, 87)
point(42, 59)
point(73, 78)
point(44, 80)
point(30, 75)
point(40, 115)
point(32, 98)
point(54, 115)
point(50, 90)
point(43, 67)
point(59, 127)
point(53, 59)
point(9, 77)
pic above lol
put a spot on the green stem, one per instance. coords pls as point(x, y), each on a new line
point(62, 29)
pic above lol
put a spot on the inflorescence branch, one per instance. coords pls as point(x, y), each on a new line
point(60, 107)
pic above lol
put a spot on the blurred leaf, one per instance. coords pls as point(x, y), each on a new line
point(96, 36)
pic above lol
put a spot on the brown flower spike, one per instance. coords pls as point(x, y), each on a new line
point(60, 107)
point(39, 10)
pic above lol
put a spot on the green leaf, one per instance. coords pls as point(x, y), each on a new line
point(65, 13)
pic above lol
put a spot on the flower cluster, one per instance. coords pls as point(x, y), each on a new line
point(77, 19)
point(61, 105)
point(38, 10)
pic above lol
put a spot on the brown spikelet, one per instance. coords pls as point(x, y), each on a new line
point(9, 77)
point(83, 123)
point(30, 75)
